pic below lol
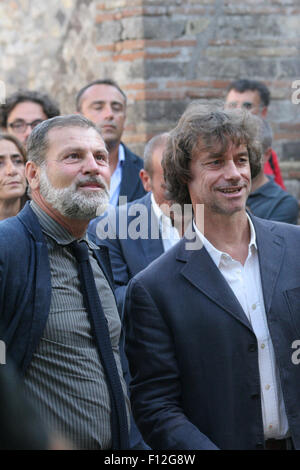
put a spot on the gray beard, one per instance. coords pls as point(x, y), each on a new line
point(70, 202)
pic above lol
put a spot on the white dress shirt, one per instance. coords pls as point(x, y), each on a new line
point(169, 234)
point(245, 281)
point(116, 178)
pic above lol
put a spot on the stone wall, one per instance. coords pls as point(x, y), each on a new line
point(163, 53)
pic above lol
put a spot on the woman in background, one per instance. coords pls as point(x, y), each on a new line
point(12, 176)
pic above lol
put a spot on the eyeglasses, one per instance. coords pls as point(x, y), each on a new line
point(20, 125)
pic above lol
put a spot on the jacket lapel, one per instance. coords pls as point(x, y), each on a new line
point(153, 246)
point(200, 270)
point(102, 256)
point(129, 180)
point(271, 249)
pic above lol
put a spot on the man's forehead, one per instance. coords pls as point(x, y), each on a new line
point(247, 95)
point(25, 108)
point(69, 135)
point(213, 145)
point(103, 92)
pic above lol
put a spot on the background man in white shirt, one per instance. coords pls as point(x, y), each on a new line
point(210, 330)
point(104, 103)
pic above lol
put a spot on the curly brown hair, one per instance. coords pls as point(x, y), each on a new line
point(210, 126)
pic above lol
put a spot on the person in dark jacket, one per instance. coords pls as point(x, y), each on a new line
point(50, 326)
point(267, 199)
point(213, 323)
point(254, 96)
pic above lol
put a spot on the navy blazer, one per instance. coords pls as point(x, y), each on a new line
point(25, 284)
point(131, 184)
point(129, 256)
point(192, 352)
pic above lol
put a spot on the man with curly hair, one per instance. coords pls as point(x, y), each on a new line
point(24, 110)
point(211, 325)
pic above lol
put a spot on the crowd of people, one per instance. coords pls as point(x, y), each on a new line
point(147, 303)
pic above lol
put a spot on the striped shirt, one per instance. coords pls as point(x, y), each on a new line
point(66, 378)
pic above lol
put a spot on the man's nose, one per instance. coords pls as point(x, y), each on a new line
point(27, 133)
point(231, 171)
point(90, 165)
point(108, 112)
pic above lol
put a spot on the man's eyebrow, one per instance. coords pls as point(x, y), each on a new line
point(215, 154)
point(96, 102)
point(71, 149)
point(242, 154)
point(12, 155)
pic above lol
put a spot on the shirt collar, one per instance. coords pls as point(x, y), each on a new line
point(121, 155)
point(158, 212)
point(216, 254)
point(53, 229)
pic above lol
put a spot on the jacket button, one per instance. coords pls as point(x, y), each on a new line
point(255, 396)
point(252, 347)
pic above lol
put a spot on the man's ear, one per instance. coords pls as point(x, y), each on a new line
point(264, 112)
point(146, 180)
point(32, 173)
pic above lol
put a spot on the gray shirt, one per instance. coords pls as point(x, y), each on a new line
point(66, 378)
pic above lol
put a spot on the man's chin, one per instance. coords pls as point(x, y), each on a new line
point(111, 141)
point(218, 209)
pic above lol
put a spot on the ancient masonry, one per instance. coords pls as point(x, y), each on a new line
point(163, 53)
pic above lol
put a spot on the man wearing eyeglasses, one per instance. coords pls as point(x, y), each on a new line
point(24, 110)
point(255, 97)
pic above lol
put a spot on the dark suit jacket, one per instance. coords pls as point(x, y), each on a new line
point(131, 184)
point(129, 256)
point(193, 354)
point(25, 285)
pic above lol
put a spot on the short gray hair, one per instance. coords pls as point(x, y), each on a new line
point(104, 81)
point(38, 142)
point(157, 141)
point(207, 126)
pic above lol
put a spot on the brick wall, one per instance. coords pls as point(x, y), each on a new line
point(163, 53)
point(167, 53)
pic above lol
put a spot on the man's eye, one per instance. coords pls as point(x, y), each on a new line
point(117, 107)
point(36, 123)
point(101, 158)
point(215, 163)
point(19, 161)
point(247, 105)
point(73, 156)
point(18, 125)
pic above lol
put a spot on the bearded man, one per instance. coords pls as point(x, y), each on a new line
point(52, 330)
